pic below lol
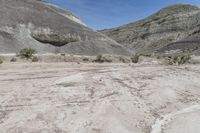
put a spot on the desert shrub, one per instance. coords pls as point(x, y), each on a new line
point(135, 58)
point(184, 59)
point(1, 61)
point(26, 53)
point(13, 59)
point(122, 60)
point(99, 58)
point(62, 54)
point(102, 59)
point(85, 59)
point(146, 54)
point(34, 59)
point(158, 56)
point(179, 60)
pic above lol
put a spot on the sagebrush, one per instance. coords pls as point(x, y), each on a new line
point(26, 53)
point(1, 61)
point(135, 58)
point(102, 59)
point(179, 59)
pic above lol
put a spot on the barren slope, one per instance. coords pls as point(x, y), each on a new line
point(175, 27)
point(48, 29)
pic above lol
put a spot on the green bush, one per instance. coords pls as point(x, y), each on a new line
point(26, 53)
point(102, 59)
point(179, 60)
point(1, 61)
point(184, 59)
point(135, 58)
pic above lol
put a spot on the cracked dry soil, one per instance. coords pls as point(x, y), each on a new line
point(98, 98)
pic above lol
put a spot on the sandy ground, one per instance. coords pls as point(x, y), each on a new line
point(99, 98)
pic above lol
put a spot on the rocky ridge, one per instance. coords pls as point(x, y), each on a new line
point(173, 29)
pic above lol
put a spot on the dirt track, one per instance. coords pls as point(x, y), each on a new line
point(99, 98)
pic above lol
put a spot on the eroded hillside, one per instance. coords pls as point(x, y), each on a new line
point(175, 28)
point(49, 29)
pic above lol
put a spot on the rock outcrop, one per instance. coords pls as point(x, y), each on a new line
point(49, 29)
point(173, 29)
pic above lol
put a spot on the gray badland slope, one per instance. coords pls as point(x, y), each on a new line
point(175, 28)
point(49, 29)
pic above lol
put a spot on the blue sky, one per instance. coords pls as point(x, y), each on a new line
point(102, 14)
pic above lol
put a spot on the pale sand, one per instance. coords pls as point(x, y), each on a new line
point(99, 98)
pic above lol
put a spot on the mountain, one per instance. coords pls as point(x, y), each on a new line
point(174, 29)
point(48, 29)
